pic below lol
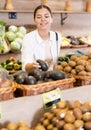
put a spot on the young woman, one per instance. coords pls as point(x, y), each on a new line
point(40, 43)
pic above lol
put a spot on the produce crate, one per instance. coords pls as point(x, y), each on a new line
point(82, 80)
point(27, 90)
point(7, 93)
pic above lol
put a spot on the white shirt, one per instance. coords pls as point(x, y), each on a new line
point(34, 47)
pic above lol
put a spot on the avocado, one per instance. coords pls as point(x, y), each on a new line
point(30, 80)
point(20, 72)
point(38, 74)
point(57, 75)
point(43, 65)
point(20, 79)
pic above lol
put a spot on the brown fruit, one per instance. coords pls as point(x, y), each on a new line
point(61, 114)
point(58, 67)
point(46, 122)
point(78, 123)
point(60, 124)
point(87, 125)
point(61, 104)
point(68, 69)
point(55, 128)
point(39, 127)
point(23, 128)
point(69, 126)
point(83, 57)
point(86, 116)
point(85, 108)
point(72, 63)
point(69, 118)
point(70, 104)
point(73, 72)
point(77, 103)
point(12, 126)
point(46, 115)
point(88, 68)
point(79, 68)
point(64, 64)
point(78, 113)
point(89, 55)
point(50, 127)
point(88, 73)
point(55, 121)
point(82, 73)
point(81, 62)
point(73, 57)
point(55, 111)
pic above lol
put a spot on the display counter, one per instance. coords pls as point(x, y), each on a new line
point(30, 108)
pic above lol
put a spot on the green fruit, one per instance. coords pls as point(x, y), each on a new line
point(43, 65)
point(56, 75)
point(30, 80)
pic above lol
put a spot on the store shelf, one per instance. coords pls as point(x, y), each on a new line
point(53, 11)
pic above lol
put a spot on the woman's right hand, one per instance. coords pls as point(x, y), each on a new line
point(31, 66)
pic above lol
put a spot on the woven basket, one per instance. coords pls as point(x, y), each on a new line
point(82, 80)
point(28, 90)
point(8, 92)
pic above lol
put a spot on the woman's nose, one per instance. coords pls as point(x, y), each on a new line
point(42, 18)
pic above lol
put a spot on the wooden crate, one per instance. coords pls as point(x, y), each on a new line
point(27, 90)
point(7, 93)
point(82, 80)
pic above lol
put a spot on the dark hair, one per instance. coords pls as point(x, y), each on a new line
point(40, 7)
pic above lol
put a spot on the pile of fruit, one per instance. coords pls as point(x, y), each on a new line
point(76, 65)
point(12, 65)
point(14, 36)
point(67, 115)
point(11, 37)
point(21, 125)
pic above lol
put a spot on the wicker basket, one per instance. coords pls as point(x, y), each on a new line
point(82, 80)
point(28, 90)
point(8, 92)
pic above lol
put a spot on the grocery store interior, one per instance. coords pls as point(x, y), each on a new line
point(58, 103)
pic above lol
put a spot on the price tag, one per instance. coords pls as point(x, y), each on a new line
point(0, 112)
point(51, 98)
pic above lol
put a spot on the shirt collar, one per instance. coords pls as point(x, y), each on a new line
point(39, 39)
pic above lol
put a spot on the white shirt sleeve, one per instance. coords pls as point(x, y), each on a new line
point(27, 51)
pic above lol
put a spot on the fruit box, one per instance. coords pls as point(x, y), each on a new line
point(7, 92)
point(30, 108)
point(82, 80)
point(27, 90)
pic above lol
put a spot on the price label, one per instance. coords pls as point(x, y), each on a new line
point(51, 98)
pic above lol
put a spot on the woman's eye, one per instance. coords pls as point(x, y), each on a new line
point(46, 16)
point(38, 17)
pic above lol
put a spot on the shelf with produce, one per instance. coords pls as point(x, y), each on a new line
point(53, 11)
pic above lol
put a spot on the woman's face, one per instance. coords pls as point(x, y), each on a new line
point(43, 19)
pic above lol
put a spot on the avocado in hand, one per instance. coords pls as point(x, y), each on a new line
point(43, 65)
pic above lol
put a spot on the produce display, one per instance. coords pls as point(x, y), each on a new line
point(72, 41)
point(37, 76)
point(15, 35)
point(12, 65)
point(76, 65)
point(11, 38)
point(85, 40)
point(67, 115)
point(4, 47)
point(64, 115)
point(21, 125)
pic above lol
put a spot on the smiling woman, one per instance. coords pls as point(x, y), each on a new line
point(40, 43)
